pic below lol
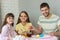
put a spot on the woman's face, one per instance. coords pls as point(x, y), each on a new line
point(10, 20)
point(23, 17)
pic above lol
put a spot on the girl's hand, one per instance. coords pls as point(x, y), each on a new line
point(17, 32)
point(32, 28)
point(9, 38)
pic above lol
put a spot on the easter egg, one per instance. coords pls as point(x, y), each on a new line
point(37, 36)
point(41, 35)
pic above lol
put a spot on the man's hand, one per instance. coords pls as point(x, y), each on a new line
point(52, 33)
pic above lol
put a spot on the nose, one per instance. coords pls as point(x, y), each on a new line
point(43, 11)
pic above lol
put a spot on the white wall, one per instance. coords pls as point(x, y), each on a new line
point(10, 6)
point(0, 14)
point(31, 6)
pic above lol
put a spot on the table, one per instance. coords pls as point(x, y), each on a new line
point(46, 37)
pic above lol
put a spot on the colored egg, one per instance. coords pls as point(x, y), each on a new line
point(37, 36)
point(41, 35)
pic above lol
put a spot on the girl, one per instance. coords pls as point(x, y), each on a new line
point(24, 24)
point(7, 29)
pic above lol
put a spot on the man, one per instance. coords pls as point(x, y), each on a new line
point(48, 23)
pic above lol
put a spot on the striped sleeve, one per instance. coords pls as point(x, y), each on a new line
point(58, 23)
point(38, 21)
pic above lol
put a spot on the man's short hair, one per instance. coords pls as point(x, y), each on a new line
point(44, 5)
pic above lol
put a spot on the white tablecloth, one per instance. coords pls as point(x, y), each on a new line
point(46, 37)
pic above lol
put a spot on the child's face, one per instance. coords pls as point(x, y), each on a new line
point(10, 20)
point(23, 17)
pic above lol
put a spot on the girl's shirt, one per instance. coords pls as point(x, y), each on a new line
point(20, 28)
point(7, 31)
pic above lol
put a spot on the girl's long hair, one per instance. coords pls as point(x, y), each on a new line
point(5, 20)
point(19, 21)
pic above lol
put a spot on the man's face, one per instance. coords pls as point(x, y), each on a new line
point(45, 11)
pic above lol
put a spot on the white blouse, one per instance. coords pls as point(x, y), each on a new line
point(7, 31)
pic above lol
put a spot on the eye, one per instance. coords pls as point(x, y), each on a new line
point(42, 10)
point(45, 9)
point(11, 18)
point(21, 16)
point(25, 16)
